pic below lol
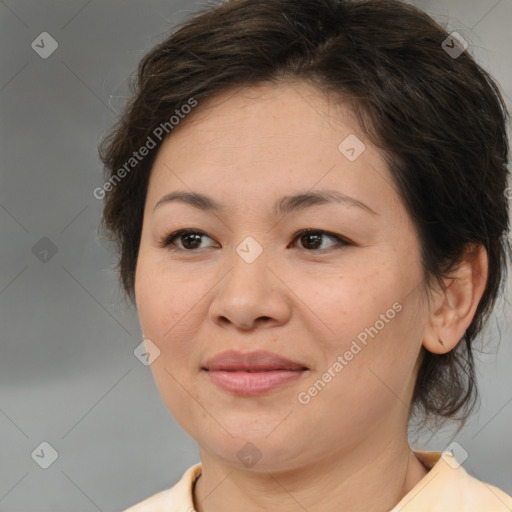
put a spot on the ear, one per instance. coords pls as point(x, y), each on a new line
point(453, 308)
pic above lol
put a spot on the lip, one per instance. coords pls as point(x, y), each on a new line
point(252, 373)
point(256, 361)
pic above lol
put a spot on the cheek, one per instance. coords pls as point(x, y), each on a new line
point(165, 313)
point(377, 360)
point(163, 297)
point(342, 303)
point(171, 306)
point(368, 317)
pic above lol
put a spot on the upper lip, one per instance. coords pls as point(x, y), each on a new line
point(259, 360)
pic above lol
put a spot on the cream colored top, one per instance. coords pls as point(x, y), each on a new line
point(447, 487)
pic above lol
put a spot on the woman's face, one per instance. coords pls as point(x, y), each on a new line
point(349, 309)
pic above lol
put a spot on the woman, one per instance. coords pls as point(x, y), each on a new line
point(310, 204)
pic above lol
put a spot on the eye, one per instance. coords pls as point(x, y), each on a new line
point(311, 239)
point(190, 240)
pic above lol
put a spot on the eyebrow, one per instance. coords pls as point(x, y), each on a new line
point(286, 204)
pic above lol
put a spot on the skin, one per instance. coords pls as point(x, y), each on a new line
point(347, 449)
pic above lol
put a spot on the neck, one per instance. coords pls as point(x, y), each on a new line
point(369, 479)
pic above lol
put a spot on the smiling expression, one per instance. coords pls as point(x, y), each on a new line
point(291, 246)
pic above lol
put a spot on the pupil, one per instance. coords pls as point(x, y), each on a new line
point(310, 236)
point(186, 237)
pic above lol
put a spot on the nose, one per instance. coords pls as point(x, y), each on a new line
point(250, 294)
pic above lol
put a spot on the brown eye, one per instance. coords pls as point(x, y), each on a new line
point(311, 239)
point(189, 240)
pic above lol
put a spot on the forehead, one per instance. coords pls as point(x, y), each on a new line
point(271, 109)
point(284, 137)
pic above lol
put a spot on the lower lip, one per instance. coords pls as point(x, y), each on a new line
point(252, 383)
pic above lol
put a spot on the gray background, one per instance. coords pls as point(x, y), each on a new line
point(68, 373)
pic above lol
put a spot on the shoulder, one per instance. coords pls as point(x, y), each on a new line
point(448, 486)
point(476, 495)
point(178, 497)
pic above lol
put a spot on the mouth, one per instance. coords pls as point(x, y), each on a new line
point(253, 373)
point(252, 383)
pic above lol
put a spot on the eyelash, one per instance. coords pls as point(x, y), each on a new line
point(168, 240)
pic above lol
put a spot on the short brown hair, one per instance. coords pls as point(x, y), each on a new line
point(438, 118)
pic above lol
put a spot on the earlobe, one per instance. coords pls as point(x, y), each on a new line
point(437, 345)
point(457, 302)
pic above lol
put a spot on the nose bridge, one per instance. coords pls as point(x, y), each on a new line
point(248, 276)
point(249, 290)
